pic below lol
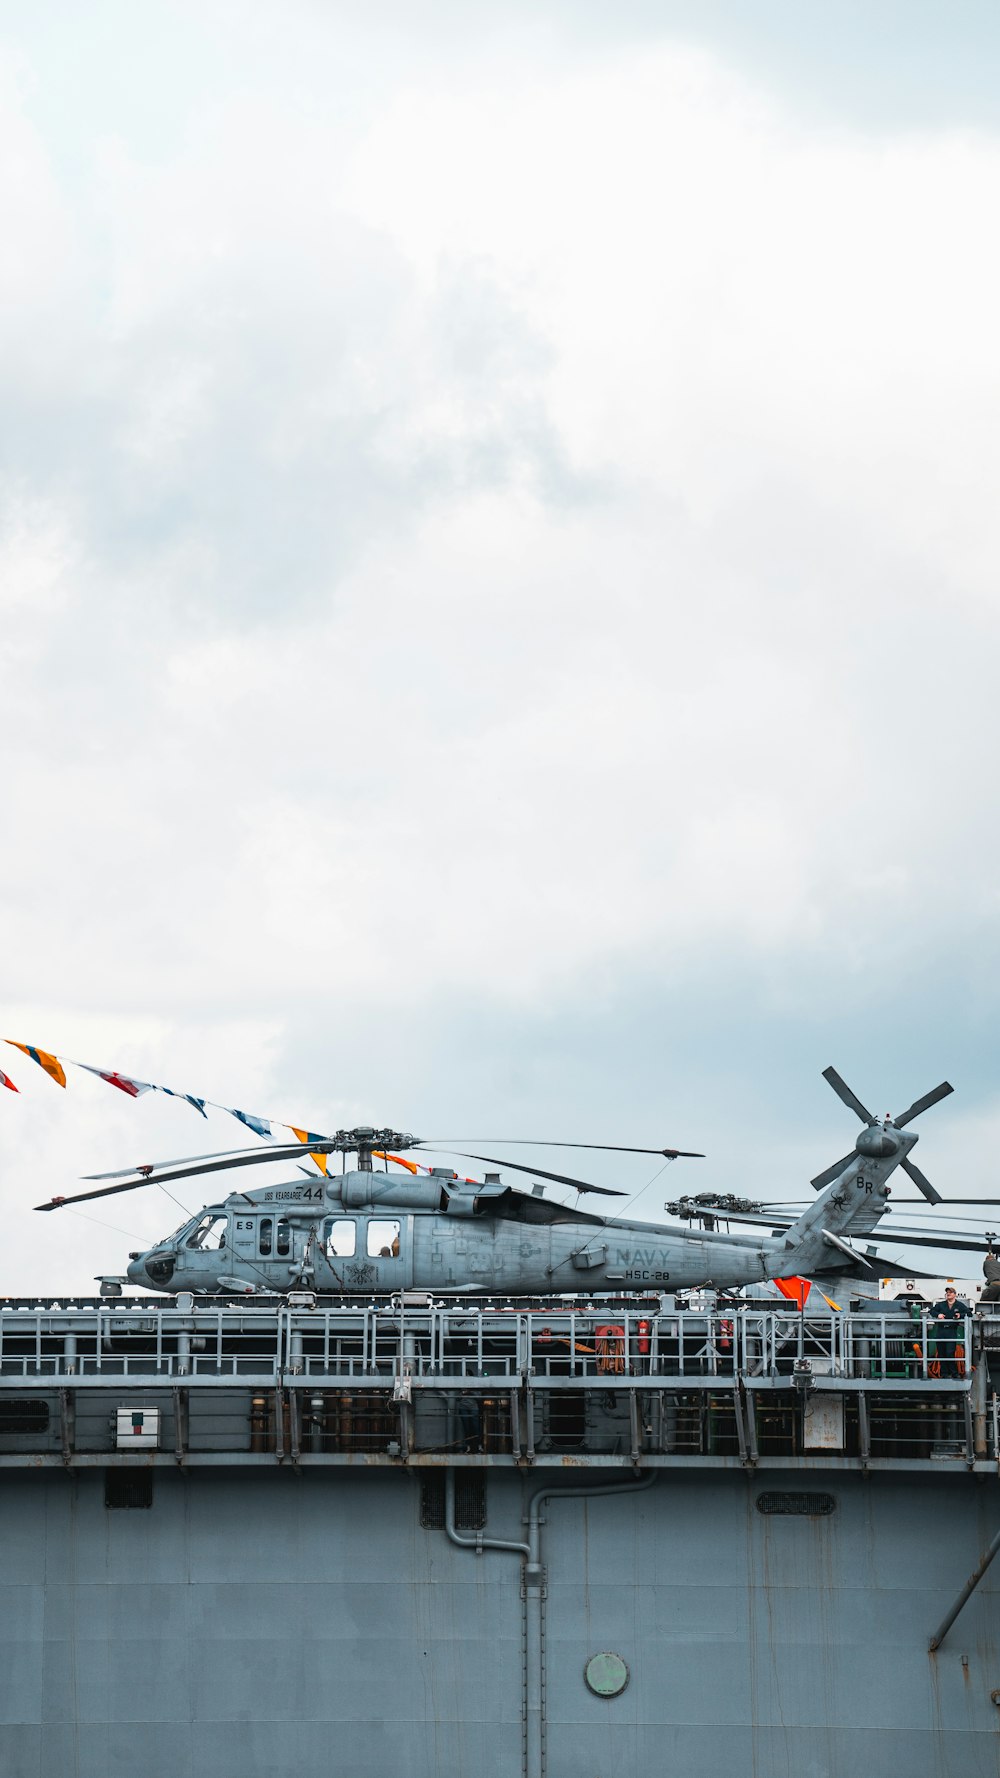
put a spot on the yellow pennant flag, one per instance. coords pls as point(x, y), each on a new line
point(322, 1160)
point(51, 1064)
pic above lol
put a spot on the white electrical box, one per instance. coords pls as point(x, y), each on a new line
point(823, 1423)
point(138, 1429)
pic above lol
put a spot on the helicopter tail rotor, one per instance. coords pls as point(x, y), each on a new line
point(874, 1142)
point(924, 1104)
point(843, 1091)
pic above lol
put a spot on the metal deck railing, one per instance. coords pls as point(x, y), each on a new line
point(404, 1381)
point(568, 1346)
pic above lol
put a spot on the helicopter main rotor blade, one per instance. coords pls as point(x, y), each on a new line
point(920, 1105)
point(154, 1178)
point(279, 1151)
point(844, 1092)
point(672, 1154)
point(920, 1180)
point(579, 1185)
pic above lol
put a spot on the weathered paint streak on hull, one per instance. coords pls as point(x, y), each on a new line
point(252, 1625)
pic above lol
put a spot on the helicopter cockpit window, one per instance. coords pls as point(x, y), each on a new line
point(341, 1238)
point(209, 1235)
point(282, 1239)
point(383, 1240)
point(265, 1233)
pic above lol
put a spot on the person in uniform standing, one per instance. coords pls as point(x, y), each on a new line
point(949, 1317)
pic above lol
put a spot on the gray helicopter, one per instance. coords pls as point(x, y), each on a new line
point(368, 1231)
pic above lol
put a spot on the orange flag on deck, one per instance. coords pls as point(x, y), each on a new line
point(52, 1065)
point(796, 1289)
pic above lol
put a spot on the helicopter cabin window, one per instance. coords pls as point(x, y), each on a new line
point(209, 1235)
point(383, 1240)
point(268, 1235)
point(341, 1237)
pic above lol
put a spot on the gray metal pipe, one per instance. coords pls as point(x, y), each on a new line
point(478, 1542)
point(534, 1591)
point(530, 1658)
point(967, 1591)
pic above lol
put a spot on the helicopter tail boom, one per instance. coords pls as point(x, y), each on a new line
point(851, 1205)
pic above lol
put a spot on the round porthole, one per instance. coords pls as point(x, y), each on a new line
point(606, 1675)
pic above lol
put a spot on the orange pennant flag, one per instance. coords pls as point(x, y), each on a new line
point(796, 1289)
point(51, 1064)
point(322, 1160)
point(380, 1155)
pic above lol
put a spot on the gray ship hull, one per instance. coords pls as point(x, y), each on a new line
point(255, 1625)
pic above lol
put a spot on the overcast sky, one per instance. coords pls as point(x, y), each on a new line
point(498, 581)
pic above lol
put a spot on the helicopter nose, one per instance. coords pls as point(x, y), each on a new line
point(136, 1271)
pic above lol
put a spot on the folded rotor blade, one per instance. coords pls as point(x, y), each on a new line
point(896, 1200)
point(969, 1230)
point(799, 1204)
point(920, 1181)
point(579, 1185)
point(760, 1218)
point(154, 1178)
point(920, 1105)
point(945, 1239)
point(672, 1154)
point(829, 1174)
point(843, 1091)
point(948, 1239)
point(889, 1268)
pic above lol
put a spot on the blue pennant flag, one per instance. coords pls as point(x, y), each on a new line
point(259, 1124)
point(189, 1099)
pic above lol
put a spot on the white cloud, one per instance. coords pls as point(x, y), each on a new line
point(486, 540)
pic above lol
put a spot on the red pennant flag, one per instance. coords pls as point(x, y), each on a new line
point(5, 1078)
point(124, 1082)
point(796, 1289)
